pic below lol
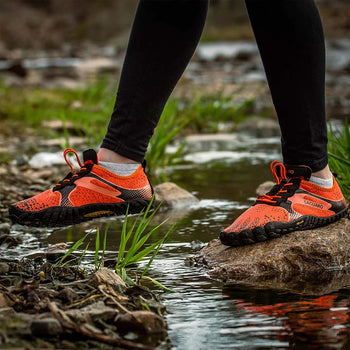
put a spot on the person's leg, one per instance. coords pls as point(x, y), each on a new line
point(290, 38)
point(163, 39)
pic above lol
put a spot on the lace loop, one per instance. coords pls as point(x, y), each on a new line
point(71, 150)
point(279, 192)
point(71, 177)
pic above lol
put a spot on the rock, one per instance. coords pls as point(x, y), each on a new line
point(264, 187)
point(338, 55)
point(5, 301)
point(141, 322)
point(260, 127)
point(107, 276)
point(173, 197)
point(242, 50)
point(4, 229)
point(58, 142)
point(68, 295)
point(47, 159)
point(56, 246)
point(299, 253)
point(97, 65)
point(97, 311)
point(44, 174)
point(10, 241)
point(54, 255)
point(213, 142)
point(4, 268)
point(7, 311)
point(61, 126)
point(22, 159)
point(17, 68)
point(46, 327)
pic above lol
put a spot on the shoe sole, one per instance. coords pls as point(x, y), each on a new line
point(64, 216)
point(277, 229)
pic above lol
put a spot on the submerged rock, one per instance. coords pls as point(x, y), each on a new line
point(299, 253)
point(173, 197)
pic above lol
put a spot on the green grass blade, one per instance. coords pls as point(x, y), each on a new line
point(342, 160)
point(97, 246)
point(159, 284)
point(157, 249)
point(75, 246)
point(82, 255)
point(123, 240)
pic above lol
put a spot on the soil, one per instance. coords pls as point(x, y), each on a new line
point(47, 306)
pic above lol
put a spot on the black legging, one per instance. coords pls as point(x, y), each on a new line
point(163, 39)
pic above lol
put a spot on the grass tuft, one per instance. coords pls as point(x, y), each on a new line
point(339, 156)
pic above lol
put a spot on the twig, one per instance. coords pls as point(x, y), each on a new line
point(66, 322)
point(116, 302)
point(80, 301)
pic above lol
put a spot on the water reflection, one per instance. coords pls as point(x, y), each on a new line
point(301, 322)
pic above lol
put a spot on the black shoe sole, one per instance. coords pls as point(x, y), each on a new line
point(277, 229)
point(64, 216)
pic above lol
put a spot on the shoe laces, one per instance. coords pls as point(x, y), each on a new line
point(71, 177)
point(284, 188)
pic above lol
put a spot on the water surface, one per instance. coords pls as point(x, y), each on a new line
point(205, 314)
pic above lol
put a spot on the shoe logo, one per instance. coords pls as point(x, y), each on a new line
point(313, 204)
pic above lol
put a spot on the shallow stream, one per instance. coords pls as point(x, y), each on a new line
point(206, 314)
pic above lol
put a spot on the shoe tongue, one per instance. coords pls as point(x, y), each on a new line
point(298, 171)
point(90, 155)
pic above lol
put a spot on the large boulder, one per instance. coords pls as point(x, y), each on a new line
point(302, 253)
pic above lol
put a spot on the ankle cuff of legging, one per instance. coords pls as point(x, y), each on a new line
point(123, 151)
point(315, 165)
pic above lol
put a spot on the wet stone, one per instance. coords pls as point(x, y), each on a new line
point(54, 255)
point(141, 322)
point(4, 268)
point(4, 229)
point(9, 241)
point(303, 253)
point(173, 197)
point(46, 327)
point(264, 188)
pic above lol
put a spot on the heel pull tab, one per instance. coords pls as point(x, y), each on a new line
point(89, 156)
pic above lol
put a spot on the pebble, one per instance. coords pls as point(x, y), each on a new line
point(67, 295)
point(4, 268)
point(5, 229)
point(46, 327)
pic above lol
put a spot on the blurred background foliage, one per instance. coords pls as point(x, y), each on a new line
point(49, 24)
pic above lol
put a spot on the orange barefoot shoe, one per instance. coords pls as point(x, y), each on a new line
point(90, 193)
point(294, 203)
